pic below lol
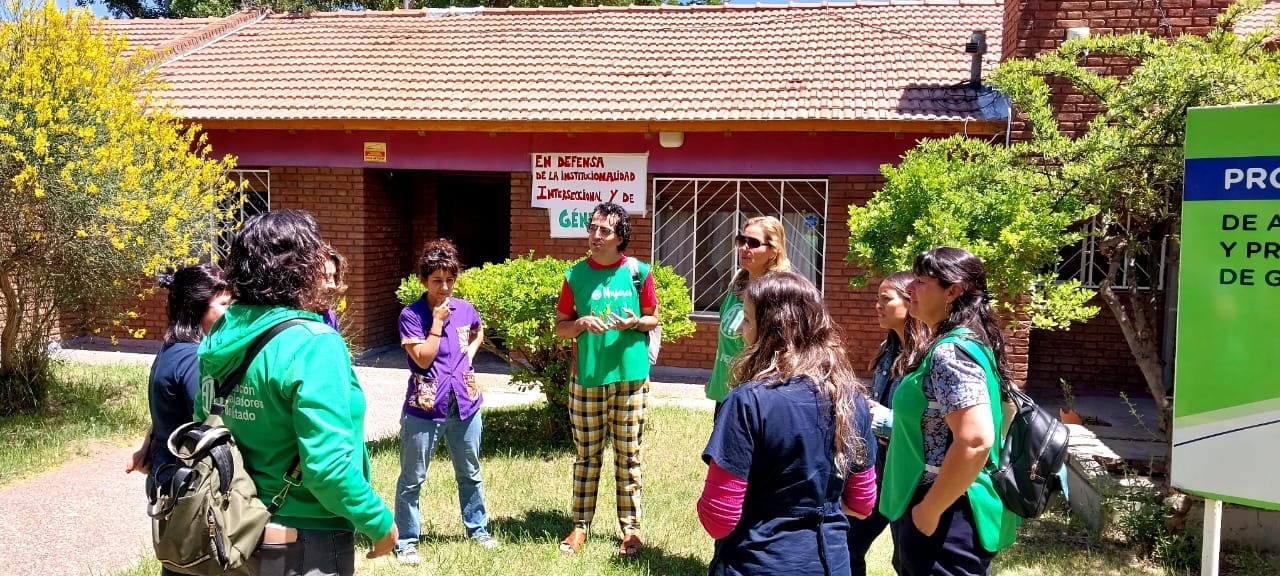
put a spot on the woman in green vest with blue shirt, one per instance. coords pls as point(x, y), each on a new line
point(762, 249)
point(946, 518)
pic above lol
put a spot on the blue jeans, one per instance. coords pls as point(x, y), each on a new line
point(418, 439)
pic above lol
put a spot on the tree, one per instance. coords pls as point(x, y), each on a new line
point(100, 185)
point(1125, 171)
point(973, 194)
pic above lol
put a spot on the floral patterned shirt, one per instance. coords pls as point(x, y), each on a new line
point(955, 382)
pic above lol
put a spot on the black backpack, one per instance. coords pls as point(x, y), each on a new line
point(1034, 448)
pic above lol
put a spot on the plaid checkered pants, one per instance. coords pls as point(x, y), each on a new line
point(618, 410)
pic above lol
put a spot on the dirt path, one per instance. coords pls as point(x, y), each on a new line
point(88, 517)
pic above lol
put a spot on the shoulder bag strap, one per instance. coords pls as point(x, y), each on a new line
point(294, 475)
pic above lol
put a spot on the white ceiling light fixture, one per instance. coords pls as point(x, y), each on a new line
point(671, 139)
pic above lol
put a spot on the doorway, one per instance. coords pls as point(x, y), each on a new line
point(474, 210)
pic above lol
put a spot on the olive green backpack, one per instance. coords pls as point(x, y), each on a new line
point(207, 518)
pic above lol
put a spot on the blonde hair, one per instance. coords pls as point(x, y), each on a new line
point(775, 236)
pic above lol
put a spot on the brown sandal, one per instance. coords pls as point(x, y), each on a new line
point(631, 545)
point(571, 543)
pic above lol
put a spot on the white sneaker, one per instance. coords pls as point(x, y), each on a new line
point(487, 541)
point(408, 556)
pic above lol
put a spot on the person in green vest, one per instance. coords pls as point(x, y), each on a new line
point(945, 516)
point(762, 249)
point(607, 302)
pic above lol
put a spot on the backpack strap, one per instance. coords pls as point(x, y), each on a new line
point(233, 379)
point(634, 265)
point(294, 476)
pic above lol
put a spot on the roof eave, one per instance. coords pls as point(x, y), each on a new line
point(947, 127)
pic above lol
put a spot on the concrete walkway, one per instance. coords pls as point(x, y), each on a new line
point(89, 517)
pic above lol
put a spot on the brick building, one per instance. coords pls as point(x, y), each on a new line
point(396, 127)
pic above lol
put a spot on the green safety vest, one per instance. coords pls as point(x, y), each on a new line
point(728, 346)
point(905, 466)
point(616, 355)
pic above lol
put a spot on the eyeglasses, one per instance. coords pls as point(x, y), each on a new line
point(603, 230)
point(753, 243)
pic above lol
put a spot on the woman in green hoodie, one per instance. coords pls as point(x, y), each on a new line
point(299, 401)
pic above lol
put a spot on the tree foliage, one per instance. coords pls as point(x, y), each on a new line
point(99, 184)
point(208, 8)
point(517, 301)
point(972, 194)
point(1124, 172)
point(1129, 161)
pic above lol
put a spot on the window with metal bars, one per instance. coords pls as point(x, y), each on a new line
point(1084, 262)
point(251, 196)
point(695, 221)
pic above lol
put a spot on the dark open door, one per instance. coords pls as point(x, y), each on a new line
point(474, 210)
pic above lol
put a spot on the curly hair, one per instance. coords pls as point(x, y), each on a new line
point(277, 259)
point(439, 254)
point(796, 337)
point(190, 291)
point(622, 227)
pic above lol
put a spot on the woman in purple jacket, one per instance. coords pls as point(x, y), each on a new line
point(441, 335)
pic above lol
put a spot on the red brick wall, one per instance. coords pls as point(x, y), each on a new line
point(1092, 357)
point(1032, 26)
point(152, 317)
point(421, 188)
point(362, 217)
point(853, 308)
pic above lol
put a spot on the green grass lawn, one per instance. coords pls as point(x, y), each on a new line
point(527, 488)
point(527, 492)
point(88, 406)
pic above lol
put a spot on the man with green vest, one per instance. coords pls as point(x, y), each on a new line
point(607, 303)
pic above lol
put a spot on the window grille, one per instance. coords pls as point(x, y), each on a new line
point(251, 196)
point(696, 219)
point(1084, 262)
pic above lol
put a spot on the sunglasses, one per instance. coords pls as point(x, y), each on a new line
point(753, 243)
point(603, 230)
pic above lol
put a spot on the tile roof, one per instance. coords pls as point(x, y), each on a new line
point(867, 61)
point(1260, 18)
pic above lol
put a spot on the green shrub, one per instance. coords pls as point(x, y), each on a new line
point(517, 301)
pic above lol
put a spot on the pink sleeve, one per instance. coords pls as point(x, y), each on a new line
point(565, 305)
point(648, 293)
point(720, 506)
point(860, 492)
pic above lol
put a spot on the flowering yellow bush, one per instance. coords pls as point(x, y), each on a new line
point(100, 184)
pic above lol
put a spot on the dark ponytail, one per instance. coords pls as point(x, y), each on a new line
point(972, 309)
point(190, 290)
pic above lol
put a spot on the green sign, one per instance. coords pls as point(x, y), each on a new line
point(1227, 392)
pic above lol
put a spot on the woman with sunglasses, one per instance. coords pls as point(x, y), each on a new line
point(762, 249)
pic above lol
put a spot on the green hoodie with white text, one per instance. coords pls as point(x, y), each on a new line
point(299, 399)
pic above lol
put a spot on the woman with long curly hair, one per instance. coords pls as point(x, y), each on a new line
point(946, 517)
point(792, 450)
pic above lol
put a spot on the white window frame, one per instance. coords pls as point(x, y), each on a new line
point(671, 195)
point(253, 189)
point(1091, 267)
